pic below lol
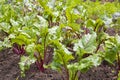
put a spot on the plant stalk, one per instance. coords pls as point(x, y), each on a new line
point(75, 75)
point(118, 64)
point(45, 48)
point(99, 46)
point(66, 69)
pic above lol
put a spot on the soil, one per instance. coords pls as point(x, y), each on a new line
point(9, 70)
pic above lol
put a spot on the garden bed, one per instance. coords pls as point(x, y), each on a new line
point(9, 70)
point(59, 40)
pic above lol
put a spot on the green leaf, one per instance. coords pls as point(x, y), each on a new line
point(61, 56)
point(5, 26)
point(90, 23)
point(111, 49)
point(74, 26)
point(43, 22)
point(55, 33)
point(22, 39)
point(117, 39)
point(25, 63)
point(86, 63)
point(87, 43)
point(14, 23)
point(110, 55)
point(98, 24)
point(30, 48)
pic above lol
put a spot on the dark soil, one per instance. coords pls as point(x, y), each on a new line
point(103, 72)
point(9, 70)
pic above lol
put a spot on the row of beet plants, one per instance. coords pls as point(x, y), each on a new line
point(73, 29)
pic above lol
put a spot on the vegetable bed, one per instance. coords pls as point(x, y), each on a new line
point(59, 40)
point(9, 70)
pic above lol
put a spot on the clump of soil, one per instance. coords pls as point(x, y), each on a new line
point(9, 70)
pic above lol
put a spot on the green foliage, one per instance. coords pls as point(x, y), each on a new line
point(86, 63)
point(61, 55)
point(25, 63)
point(112, 48)
point(85, 45)
point(118, 76)
point(73, 28)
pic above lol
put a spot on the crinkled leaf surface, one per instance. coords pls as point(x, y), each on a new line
point(87, 43)
point(86, 63)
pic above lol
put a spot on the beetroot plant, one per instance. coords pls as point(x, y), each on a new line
point(75, 30)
